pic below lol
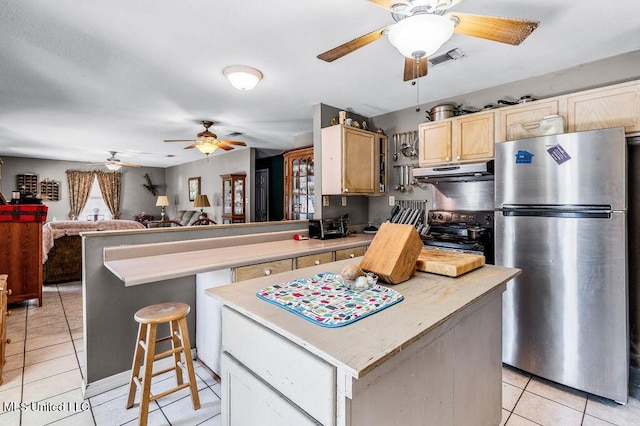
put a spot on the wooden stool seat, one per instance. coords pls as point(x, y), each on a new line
point(163, 312)
point(148, 318)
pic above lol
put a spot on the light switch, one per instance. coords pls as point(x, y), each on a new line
point(325, 201)
point(392, 200)
point(344, 201)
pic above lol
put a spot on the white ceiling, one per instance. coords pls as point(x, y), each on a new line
point(78, 79)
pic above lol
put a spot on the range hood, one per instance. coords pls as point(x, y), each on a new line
point(455, 173)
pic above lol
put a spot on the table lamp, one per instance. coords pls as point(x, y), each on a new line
point(162, 201)
point(201, 201)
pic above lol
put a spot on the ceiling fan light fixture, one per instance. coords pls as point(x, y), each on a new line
point(113, 167)
point(206, 147)
point(242, 77)
point(420, 35)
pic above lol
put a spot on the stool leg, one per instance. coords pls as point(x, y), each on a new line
point(148, 374)
point(175, 343)
point(186, 345)
point(137, 362)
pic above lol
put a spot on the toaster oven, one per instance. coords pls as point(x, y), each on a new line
point(327, 228)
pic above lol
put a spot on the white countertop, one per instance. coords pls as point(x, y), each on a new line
point(157, 267)
point(429, 302)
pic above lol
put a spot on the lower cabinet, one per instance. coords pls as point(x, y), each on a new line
point(295, 378)
point(268, 407)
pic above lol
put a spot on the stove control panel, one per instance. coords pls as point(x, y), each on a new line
point(462, 218)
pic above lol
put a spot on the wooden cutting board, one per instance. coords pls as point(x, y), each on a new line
point(449, 263)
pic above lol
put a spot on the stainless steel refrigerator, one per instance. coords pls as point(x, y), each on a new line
point(561, 216)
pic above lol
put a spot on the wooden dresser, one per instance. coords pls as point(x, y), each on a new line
point(21, 251)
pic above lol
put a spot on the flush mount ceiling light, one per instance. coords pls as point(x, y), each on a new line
point(242, 77)
point(421, 35)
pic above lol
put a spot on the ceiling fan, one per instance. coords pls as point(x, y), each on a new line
point(113, 163)
point(207, 142)
point(423, 26)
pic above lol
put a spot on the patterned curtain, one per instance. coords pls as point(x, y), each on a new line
point(80, 184)
point(110, 187)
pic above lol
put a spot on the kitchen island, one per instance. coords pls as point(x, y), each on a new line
point(138, 275)
point(433, 358)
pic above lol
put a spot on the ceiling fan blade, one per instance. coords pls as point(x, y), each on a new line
point(221, 144)
point(388, 3)
point(191, 146)
point(350, 46)
point(504, 30)
point(130, 165)
point(233, 142)
point(180, 140)
point(411, 71)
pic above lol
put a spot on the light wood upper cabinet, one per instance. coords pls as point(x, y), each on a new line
point(353, 161)
point(435, 142)
point(474, 137)
point(612, 106)
point(514, 121)
point(462, 139)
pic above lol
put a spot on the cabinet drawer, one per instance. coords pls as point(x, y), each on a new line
point(349, 253)
point(303, 378)
point(314, 259)
point(263, 269)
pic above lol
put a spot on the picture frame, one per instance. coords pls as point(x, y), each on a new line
point(194, 187)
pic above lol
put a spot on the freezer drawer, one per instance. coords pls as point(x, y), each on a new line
point(565, 316)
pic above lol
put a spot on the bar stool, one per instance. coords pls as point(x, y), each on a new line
point(175, 314)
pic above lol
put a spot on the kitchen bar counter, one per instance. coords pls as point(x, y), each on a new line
point(434, 357)
point(141, 269)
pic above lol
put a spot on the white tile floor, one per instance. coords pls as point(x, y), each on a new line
point(43, 363)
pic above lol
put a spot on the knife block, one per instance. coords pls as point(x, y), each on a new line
point(393, 253)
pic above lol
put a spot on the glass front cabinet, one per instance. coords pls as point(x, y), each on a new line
point(233, 198)
point(299, 184)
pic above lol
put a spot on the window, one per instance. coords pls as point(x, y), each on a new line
point(95, 209)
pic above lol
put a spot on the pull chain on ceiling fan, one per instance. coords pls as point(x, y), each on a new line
point(114, 164)
point(423, 26)
point(207, 142)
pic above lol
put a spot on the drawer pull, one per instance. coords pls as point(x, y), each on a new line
point(267, 271)
point(8, 313)
point(317, 262)
point(9, 292)
point(8, 340)
point(352, 255)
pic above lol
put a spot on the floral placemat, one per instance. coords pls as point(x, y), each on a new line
point(324, 300)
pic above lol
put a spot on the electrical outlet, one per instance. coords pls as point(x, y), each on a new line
point(392, 200)
point(325, 201)
point(344, 201)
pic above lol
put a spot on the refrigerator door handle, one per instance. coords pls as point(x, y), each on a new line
point(596, 212)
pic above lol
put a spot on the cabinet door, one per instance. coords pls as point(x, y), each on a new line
point(435, 143)
point(247, 400)
point(513, 121)
point(474, 137)
point(616, 106)
point(359, 157)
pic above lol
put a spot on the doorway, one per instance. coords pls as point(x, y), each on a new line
point(262, 195)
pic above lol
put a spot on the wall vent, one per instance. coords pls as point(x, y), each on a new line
point(451, 55)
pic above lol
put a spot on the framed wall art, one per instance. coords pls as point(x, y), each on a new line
point(194, 187)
